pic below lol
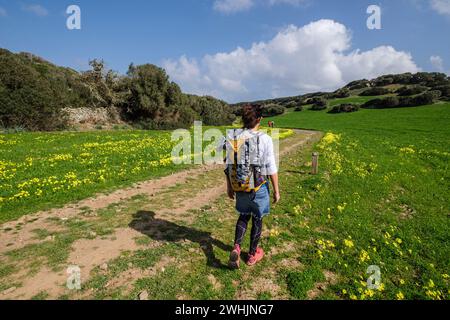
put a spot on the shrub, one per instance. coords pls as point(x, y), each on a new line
point(291, 104)
point(399, 102)
point(372, 104)
point(317, 100)
point(28, 99)
point(344, 108)
point(312, 98)
point(272, 109)
point(388, 102)
point(341, 93)
point(429, 78)
point(211, 111)
point(383, 81)
point(410, 91)
point(303, 102)
point(425, 98)
point(445, 90)
point(358, 84)
point(317, 107)
point(377, 91)
point(404, 78)
point(319, 103)
point(299, 108)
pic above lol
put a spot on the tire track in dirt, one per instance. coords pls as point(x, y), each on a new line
point(90, 253)
point(39, 220)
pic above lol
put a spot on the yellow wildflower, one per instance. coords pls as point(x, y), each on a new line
point(349, 243)
point(400, 296)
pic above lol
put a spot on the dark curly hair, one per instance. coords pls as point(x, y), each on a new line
point(251, 116)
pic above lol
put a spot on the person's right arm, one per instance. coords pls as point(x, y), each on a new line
point(230, 190)
point(272, 170)
point(276, 189)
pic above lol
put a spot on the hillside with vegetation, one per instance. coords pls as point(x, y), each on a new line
point(388, 91)
point(35, 95)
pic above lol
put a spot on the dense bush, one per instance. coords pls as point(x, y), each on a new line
point(303, 102)
point(376, 91)
point(211, 111)
point(428, 78)
point(358, 84)
point(316, 100)
point(445, 90)
point(380, 103)
point(28, 99)
point(291, 104)
point(339, 94)
point(425, 98)
point(399, 102)
point(319, 103)
point(404, 78)
point(298, 109)
point(272, 109)
point(344, 108)
point(383, 81)
point(410, 91)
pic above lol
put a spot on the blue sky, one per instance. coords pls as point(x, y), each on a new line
point(304, 45)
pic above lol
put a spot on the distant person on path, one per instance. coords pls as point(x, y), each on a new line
point(250, 162)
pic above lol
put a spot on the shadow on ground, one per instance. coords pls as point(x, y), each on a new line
point(163, 230)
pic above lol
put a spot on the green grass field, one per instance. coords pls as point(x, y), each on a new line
point(45, 170)
point(381, 199)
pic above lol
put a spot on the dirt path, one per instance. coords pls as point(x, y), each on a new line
point(171, 199)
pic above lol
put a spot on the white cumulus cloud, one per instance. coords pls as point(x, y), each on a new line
point(437, 62)
point(441, 6)
point(297, 60)
point(36, 9)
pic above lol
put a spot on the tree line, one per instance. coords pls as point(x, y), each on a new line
point(35, 92)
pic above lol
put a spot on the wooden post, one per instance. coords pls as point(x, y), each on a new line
point(315, 163)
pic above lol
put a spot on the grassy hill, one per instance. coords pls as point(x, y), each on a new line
point(388, 91)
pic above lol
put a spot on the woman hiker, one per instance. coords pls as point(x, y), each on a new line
point(250, 163)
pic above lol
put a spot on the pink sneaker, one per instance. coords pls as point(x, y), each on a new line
point(257, 257)
point(235, 256)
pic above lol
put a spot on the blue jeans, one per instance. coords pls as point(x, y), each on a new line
point(254, 203)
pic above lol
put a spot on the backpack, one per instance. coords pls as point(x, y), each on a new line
point(244, 165)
